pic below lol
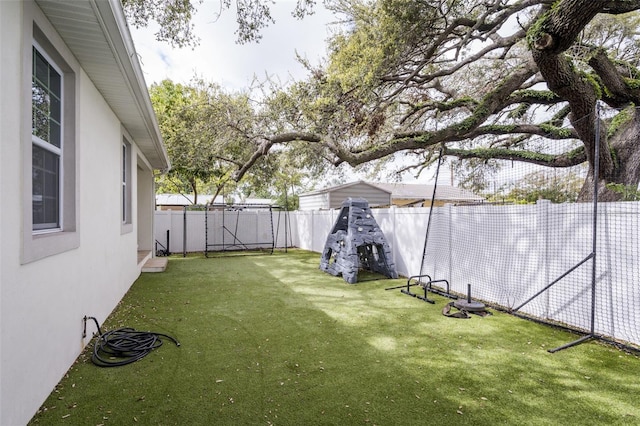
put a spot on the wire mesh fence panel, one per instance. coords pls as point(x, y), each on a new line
point(531, 248)
point(497, 247)
point(618, 271)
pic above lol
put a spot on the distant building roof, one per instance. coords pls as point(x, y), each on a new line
point(183, 199)
point(332, 197)
point(401, 194)
point(187, 200)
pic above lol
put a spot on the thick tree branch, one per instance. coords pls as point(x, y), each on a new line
point(616, 7)
point(554, 32)
point(541, 97)
point(295, 136)
point(545, 130)
point(266, 146)
point(620, 92)
point(489, 105)
point(557, 28)
point(568, 159)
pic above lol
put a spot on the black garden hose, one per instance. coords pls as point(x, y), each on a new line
point(124, 345)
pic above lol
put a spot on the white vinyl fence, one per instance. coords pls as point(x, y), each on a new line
point(506, 253)
point(190, 232)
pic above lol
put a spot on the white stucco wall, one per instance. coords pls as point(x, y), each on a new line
point(43, 302)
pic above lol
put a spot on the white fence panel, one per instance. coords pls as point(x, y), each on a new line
point(230, 229)
point(408, 234)
point(302, 224)
point(161, 224)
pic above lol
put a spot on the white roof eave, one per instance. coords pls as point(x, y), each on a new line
point(102, 44)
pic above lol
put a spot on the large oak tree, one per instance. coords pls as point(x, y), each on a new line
point(516, 80)
point(519, 80)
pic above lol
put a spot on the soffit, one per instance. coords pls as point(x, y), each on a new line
point(97, 34)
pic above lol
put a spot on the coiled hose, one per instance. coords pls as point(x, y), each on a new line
point(124, 345)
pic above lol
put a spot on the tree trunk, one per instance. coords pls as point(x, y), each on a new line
point(193, 183)
point(624, 148)
point(619, 159)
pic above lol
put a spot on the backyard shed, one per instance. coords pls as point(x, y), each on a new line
point(332, 197)
point(419, 195)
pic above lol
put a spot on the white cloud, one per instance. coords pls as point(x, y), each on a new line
point(219, 59)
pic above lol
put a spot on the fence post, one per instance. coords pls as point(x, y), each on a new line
point(313, 229)
point(542, 232)
point(184, 231)
point(392, 212)
point(448, 210)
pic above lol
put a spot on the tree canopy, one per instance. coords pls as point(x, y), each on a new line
point(210, 134)
point(206, 131)
point(174, 17)
point(515, 80)
point(478, 80)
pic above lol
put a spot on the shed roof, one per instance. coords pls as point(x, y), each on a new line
point(344, 186)
point(408, 191)
point(98, 35)
point(422, 191)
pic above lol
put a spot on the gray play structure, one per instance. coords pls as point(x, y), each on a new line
point(356, 242)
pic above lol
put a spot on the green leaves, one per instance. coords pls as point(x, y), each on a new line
point(212, 136)
point(172, 16)
point(206, 130)
point(403, 77)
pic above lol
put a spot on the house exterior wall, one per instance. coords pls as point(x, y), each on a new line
point(145, 203)
point(43, 301)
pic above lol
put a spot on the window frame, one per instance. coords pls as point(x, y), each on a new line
point(50, 148)
point(126, 175)
point(40, 243)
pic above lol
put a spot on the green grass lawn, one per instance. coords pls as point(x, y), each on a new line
point(274, 340)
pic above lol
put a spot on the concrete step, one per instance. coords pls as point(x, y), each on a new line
point(155, 264)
